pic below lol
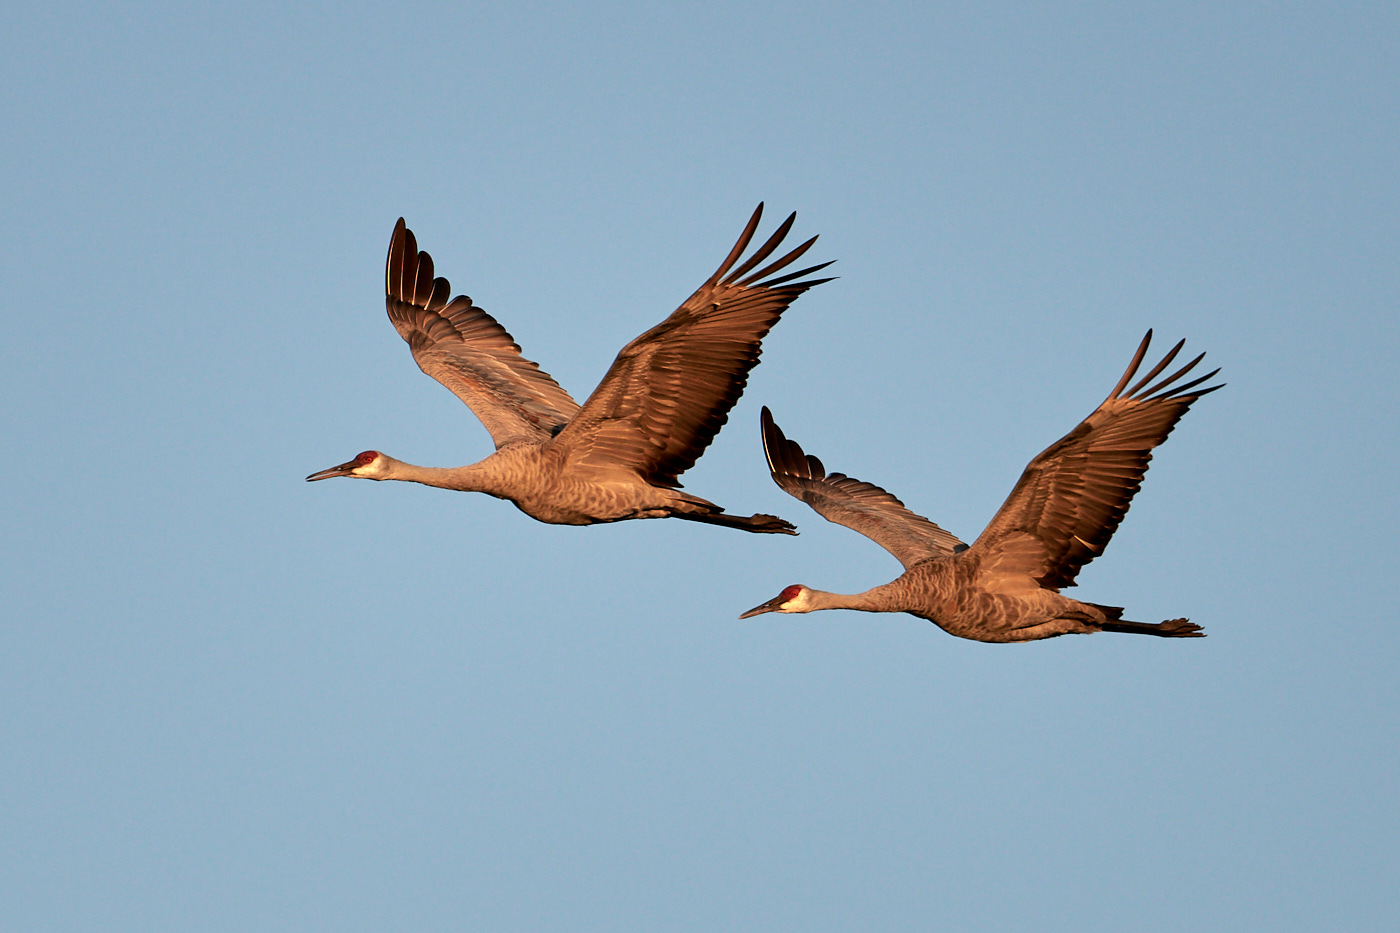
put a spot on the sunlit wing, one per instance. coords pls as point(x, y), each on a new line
point(670, 390)
point(463, 347)
point(860, 506)
point(1070, 499)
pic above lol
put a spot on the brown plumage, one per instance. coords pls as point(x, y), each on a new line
point(1060, 516)
point(618, 456)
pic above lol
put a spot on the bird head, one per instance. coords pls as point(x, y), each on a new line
point(795, 598)
point(368, 465)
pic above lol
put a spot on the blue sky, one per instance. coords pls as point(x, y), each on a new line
point(231, 700)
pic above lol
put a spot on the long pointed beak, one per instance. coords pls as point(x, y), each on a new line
point(342, 470)
point(770, 606)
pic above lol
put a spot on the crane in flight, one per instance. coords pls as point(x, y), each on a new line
point(1006, 586)
point(619, 455)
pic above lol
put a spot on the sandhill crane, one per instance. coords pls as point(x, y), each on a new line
point(1062, 513)
point(619, 455)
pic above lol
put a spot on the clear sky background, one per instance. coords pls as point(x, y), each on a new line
point(232, 700)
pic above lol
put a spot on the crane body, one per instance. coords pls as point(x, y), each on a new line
point(540, 483)
point(620, 454)
point(1005, 587)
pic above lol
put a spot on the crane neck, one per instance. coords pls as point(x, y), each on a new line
point(474, 477)
point(879, 599)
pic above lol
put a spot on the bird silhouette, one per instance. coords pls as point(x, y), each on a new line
point(619, 455)
point(1006, 586)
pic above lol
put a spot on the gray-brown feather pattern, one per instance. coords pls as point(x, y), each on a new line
point(670, 390)
point(860, 506)
point(1073, 496)
point(465, 349)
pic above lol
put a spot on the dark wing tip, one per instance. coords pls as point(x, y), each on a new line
point(743, 275)
point(1166, 388)
point(739, 246)
point(786, 458)
point(393, 263)
point(763, 252)
point(1133, 366)
point(409, 275)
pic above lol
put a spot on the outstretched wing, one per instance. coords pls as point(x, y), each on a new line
point(670, 390)
point(846, 501)
point(1070, 499)
point(463, 347)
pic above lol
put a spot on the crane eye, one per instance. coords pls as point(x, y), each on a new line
point(366, 458)
point(790, 592)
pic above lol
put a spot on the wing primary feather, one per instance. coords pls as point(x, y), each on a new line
point(767, 429)
point(786, 456)
point(1179, 391)
point(1165, 362)
point(773, 283)
point(409, 267)
point(764, 251)
point(422, 280)
point(1172, 378)
point(393, 269)
point(739, 247)
point(442, 291)
point(1132, 367)
point(778, 264)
